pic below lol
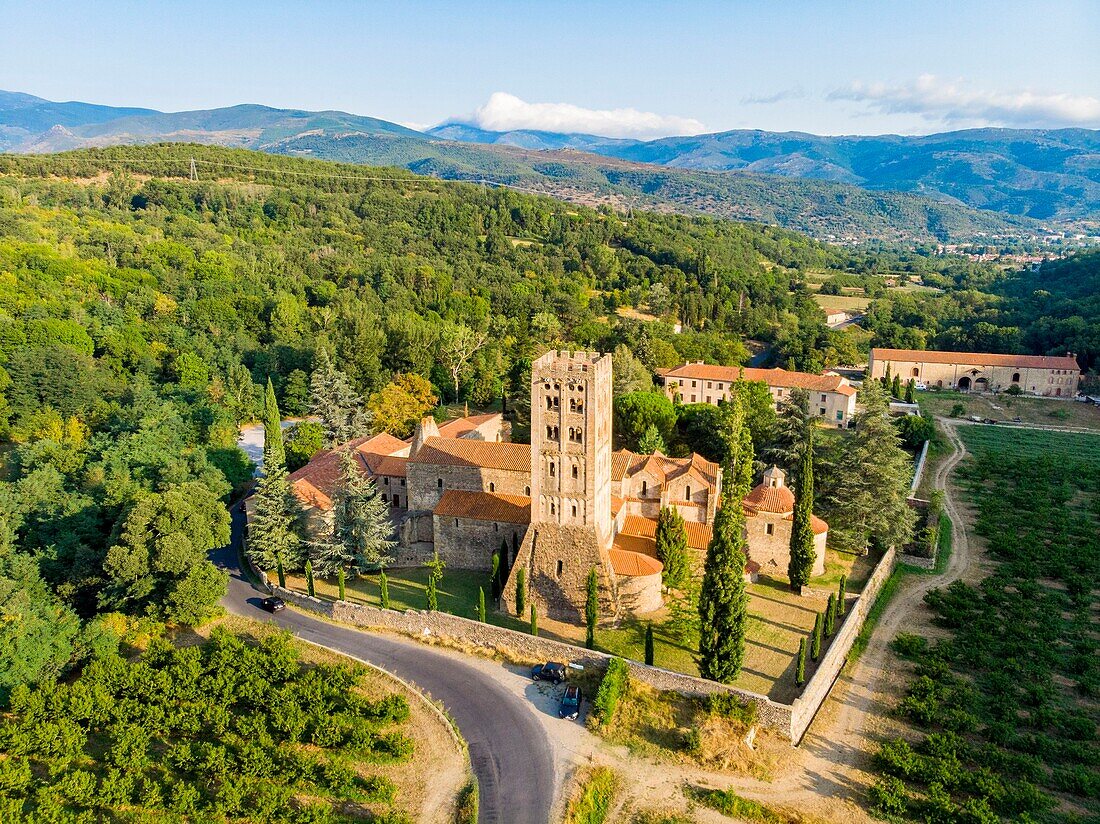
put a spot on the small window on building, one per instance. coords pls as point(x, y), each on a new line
point(385, 500)
point(527, 491)
point(687, 493)
point(645, 487)
point(693, 384)
point(916, 372)
point(708, 398)
point(693, 399)
point(386, 481)
point(576, 473)
point(438, 483)
point(561, 568)
point(1015, 377)
point(549, 402)
point(769, 529)
point(710, 385)
point(821, 410)
point(553, 508)
point(840, 414)
point(456, 521)
point(574, 510)
point(553, 469)
point(681, 383)
point(492, 487)
point(496, 527)
point(823, 398)
point(580, 406)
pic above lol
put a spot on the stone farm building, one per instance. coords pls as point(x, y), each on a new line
point(832, 397)
point(1047, 375)
point(561, 505)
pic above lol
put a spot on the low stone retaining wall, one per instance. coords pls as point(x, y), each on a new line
point(805, 707)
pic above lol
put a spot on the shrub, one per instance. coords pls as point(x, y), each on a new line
point(889, 797)
point(909, 645)
point(612, 688)
point(593, 804)
point(728, 705)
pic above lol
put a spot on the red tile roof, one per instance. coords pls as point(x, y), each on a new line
point(663, 468)
point(484, 506)
point(977, 359)
point(698, 535)
point(512, 457)
point(772, 377)
point(461, 426)
point(765, 498)
point(634, 564)
point(316, 483)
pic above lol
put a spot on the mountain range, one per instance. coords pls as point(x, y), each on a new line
point(954, 186)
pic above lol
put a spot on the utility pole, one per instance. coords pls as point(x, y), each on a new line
point(194, 171)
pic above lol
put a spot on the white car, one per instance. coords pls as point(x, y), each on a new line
point(921, 386)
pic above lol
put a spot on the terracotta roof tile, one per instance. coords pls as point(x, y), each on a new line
point(625, 463)
point(513, 457)
point(484, 506)
point(772, 377)
point(765, 498)
point(634, 564)
point(462, 426)
point(977, 359)
point(698, 535)
point(392, 465)
point(316, 483)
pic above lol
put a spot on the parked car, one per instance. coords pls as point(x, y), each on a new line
point(551, 671)
point(273, 604)
point(920, 387)
point(571, 703)
point(988, 420)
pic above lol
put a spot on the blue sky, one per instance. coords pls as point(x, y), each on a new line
point(620, 68)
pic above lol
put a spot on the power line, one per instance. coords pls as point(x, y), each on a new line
point(413, 181)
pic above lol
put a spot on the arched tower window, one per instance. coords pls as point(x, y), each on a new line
point(645, 487)
point(687, 493)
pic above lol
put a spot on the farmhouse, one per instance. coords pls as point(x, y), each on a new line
point(558, 507)
point(1049, 376)
point(832, 397)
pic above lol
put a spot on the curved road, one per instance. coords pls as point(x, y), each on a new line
point(511, 755)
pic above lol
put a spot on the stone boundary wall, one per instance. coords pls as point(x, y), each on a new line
point(917, 561)
point(805, 707)
point(919, 472)
point(528, 648)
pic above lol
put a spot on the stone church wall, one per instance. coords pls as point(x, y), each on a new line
point(468, 544)
point(425, 492)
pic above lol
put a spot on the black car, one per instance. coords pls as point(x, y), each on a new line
point(551, 671)
point(571, 703)
point(273, 604)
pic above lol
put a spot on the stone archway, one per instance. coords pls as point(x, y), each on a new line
point(964, 384)
point(981, 385)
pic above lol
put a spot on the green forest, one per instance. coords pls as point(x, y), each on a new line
point(142, 313)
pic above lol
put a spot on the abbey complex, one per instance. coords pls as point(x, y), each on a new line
point(563, 504)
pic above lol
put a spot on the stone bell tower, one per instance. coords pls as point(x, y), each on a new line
point(571, 525)
point(571, 441)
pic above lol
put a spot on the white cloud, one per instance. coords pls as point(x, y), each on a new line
point(504, 112)
point(777, 97)
point(952, 102)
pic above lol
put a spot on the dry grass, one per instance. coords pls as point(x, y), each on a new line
point(842, 303)
point(1038, 411)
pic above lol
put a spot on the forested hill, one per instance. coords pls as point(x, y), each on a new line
point(826, 207)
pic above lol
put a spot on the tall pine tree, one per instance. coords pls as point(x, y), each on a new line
point(803, 554)
point(340, 408)
point(361, 517)
point(273, 540)
point(273, 430)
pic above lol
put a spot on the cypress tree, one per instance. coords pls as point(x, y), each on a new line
point(340, 582)
point(802, 551)
point(481, 604)
point(672, 548)
point(504, 567)
point(281, 573)
point(435, 575)
point(911, 391)
point(800, 673)
point(521, 591)
point(815, 640)
point(722, 599)
point(494, 576)
point(274, 452)
point(830, 615)
point(895, 387)
point(591, 608)
point(534, 619)
point(649, 643)
point(309, 578)
point(842, 595)
point(383, 590)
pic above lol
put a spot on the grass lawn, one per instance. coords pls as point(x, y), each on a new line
point(1042, 411)
point(778, 619)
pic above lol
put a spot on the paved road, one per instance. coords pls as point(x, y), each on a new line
point(511, 755)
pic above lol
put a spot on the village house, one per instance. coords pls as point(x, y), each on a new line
point(559, 506)
point(1046, 375)
point(832, 397)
